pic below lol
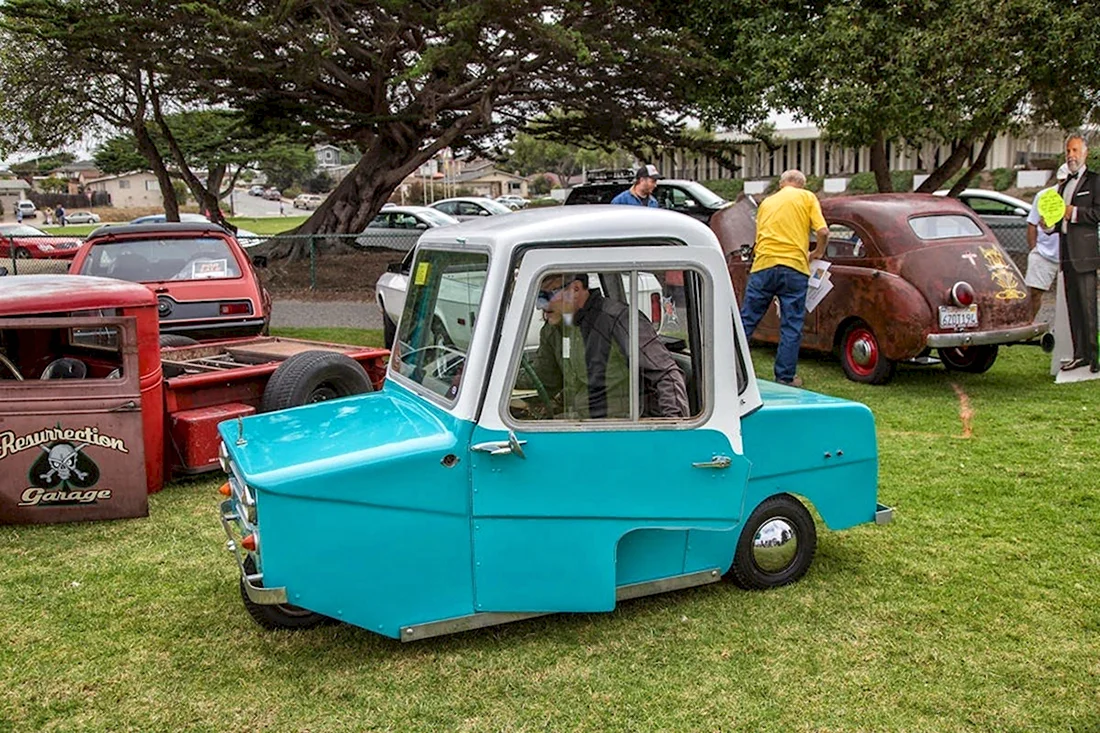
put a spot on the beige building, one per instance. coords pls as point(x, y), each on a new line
point(485, 180)
point(12, 190)
point(129, 190)
point(802, 147)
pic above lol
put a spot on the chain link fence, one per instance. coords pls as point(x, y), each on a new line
point(344, 265)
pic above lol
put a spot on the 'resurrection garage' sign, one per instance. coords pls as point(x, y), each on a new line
point(70, 471)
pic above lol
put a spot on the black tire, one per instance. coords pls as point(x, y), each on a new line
point(175, 339)
point(771, 566)
point(389, 331)
point(22, 253)
point(313, 376)
point(972, 359)
point(283, 616)
point(861, 355)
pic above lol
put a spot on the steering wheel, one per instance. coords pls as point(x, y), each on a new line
point(7, 363)
point(544, 394)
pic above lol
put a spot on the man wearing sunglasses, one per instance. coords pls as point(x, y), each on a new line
point(583, 361)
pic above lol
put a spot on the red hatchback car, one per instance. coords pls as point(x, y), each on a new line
point(25, 242)
point(205, 284)
point(911, 274)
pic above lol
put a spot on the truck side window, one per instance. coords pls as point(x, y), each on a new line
point(444, 294)
point(590, 361)
point(44, 354)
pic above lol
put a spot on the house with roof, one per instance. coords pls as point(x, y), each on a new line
point(77, 173)
point(327, 156)
point(12, 190)
point(485, 179)
point(128, 190)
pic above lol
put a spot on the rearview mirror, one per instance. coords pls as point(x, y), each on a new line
point(259, 260)
point(1018, 211)
point(3, 271)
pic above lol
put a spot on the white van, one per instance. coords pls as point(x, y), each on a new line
point(27, 207)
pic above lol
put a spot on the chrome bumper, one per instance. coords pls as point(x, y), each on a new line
point(252, 584)
point(980, 338)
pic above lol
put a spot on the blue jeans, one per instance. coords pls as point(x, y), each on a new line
point(790, 287)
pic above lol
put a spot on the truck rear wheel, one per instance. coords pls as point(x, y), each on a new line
point(777, 545)
point(972, 359)
point(313, 376)
point(861, 355)
point(282, 616)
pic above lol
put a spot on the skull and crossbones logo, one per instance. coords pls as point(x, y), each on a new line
point(62, 458)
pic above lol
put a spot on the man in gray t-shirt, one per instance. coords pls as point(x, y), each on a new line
point(1042, 260)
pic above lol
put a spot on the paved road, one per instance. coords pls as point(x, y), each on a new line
point(331, 313)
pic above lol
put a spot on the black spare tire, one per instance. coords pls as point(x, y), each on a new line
point(175, 339)
point(313, 376)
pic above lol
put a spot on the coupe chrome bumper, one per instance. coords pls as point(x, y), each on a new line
point(979, 338)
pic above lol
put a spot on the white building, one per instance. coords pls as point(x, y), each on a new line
point(129, 190)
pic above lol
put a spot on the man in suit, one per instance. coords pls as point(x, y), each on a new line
point(1080, 250)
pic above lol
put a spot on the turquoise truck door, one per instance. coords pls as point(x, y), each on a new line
point(577, 493)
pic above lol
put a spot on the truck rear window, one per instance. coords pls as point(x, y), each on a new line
point(944, 226)
point(158, 260)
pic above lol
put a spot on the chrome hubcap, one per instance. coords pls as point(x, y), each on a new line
point(775, 545)
point(863, 351)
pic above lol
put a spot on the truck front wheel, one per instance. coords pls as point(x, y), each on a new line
point(313, 376)
point(283, 616)
point(777, 545)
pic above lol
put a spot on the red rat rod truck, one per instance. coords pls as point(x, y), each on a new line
point(94, 414)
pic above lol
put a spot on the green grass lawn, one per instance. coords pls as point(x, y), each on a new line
point(978, 609)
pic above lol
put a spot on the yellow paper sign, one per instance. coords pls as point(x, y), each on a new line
point(422, 273)
point(1051, 207)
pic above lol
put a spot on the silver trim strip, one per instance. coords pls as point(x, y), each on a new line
point(884, 514)
point(431, 629)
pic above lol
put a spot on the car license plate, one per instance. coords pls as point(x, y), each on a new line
point(959, 318)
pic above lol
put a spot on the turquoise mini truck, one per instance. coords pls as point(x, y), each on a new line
point(492, 480)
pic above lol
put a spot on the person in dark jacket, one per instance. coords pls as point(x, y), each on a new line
point(1080, 253)
point(583, 355)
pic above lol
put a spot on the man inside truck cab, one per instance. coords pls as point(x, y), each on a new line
point(582, 356)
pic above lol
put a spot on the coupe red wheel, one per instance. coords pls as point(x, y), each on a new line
point(862, 357)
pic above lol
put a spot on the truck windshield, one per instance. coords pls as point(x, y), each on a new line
point(157, 260)
point(444, 294)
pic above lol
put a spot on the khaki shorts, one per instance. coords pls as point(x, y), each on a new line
point(1041, 272)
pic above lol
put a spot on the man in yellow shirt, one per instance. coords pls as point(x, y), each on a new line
point(781, 266)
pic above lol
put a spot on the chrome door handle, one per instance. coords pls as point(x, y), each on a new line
point(502, 447)
point(715, 462)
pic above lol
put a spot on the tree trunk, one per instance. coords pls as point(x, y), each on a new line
point(879, 165)
point(947, 168)
point(149, 151)
point(976, 166)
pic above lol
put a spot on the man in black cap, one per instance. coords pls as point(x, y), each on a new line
point(641, 193)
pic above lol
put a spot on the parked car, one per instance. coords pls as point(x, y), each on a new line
point(398, 227)
point(244, 236)
point(512, 201)
point(910, 274)
point(674, 194)
point(256, 191)
point(470, 207)
point(1006, 216)
point(30, 211)
point(205, 284)
point(307, 201)
point(26, 242)
point(82, 217)
point(273, 194)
